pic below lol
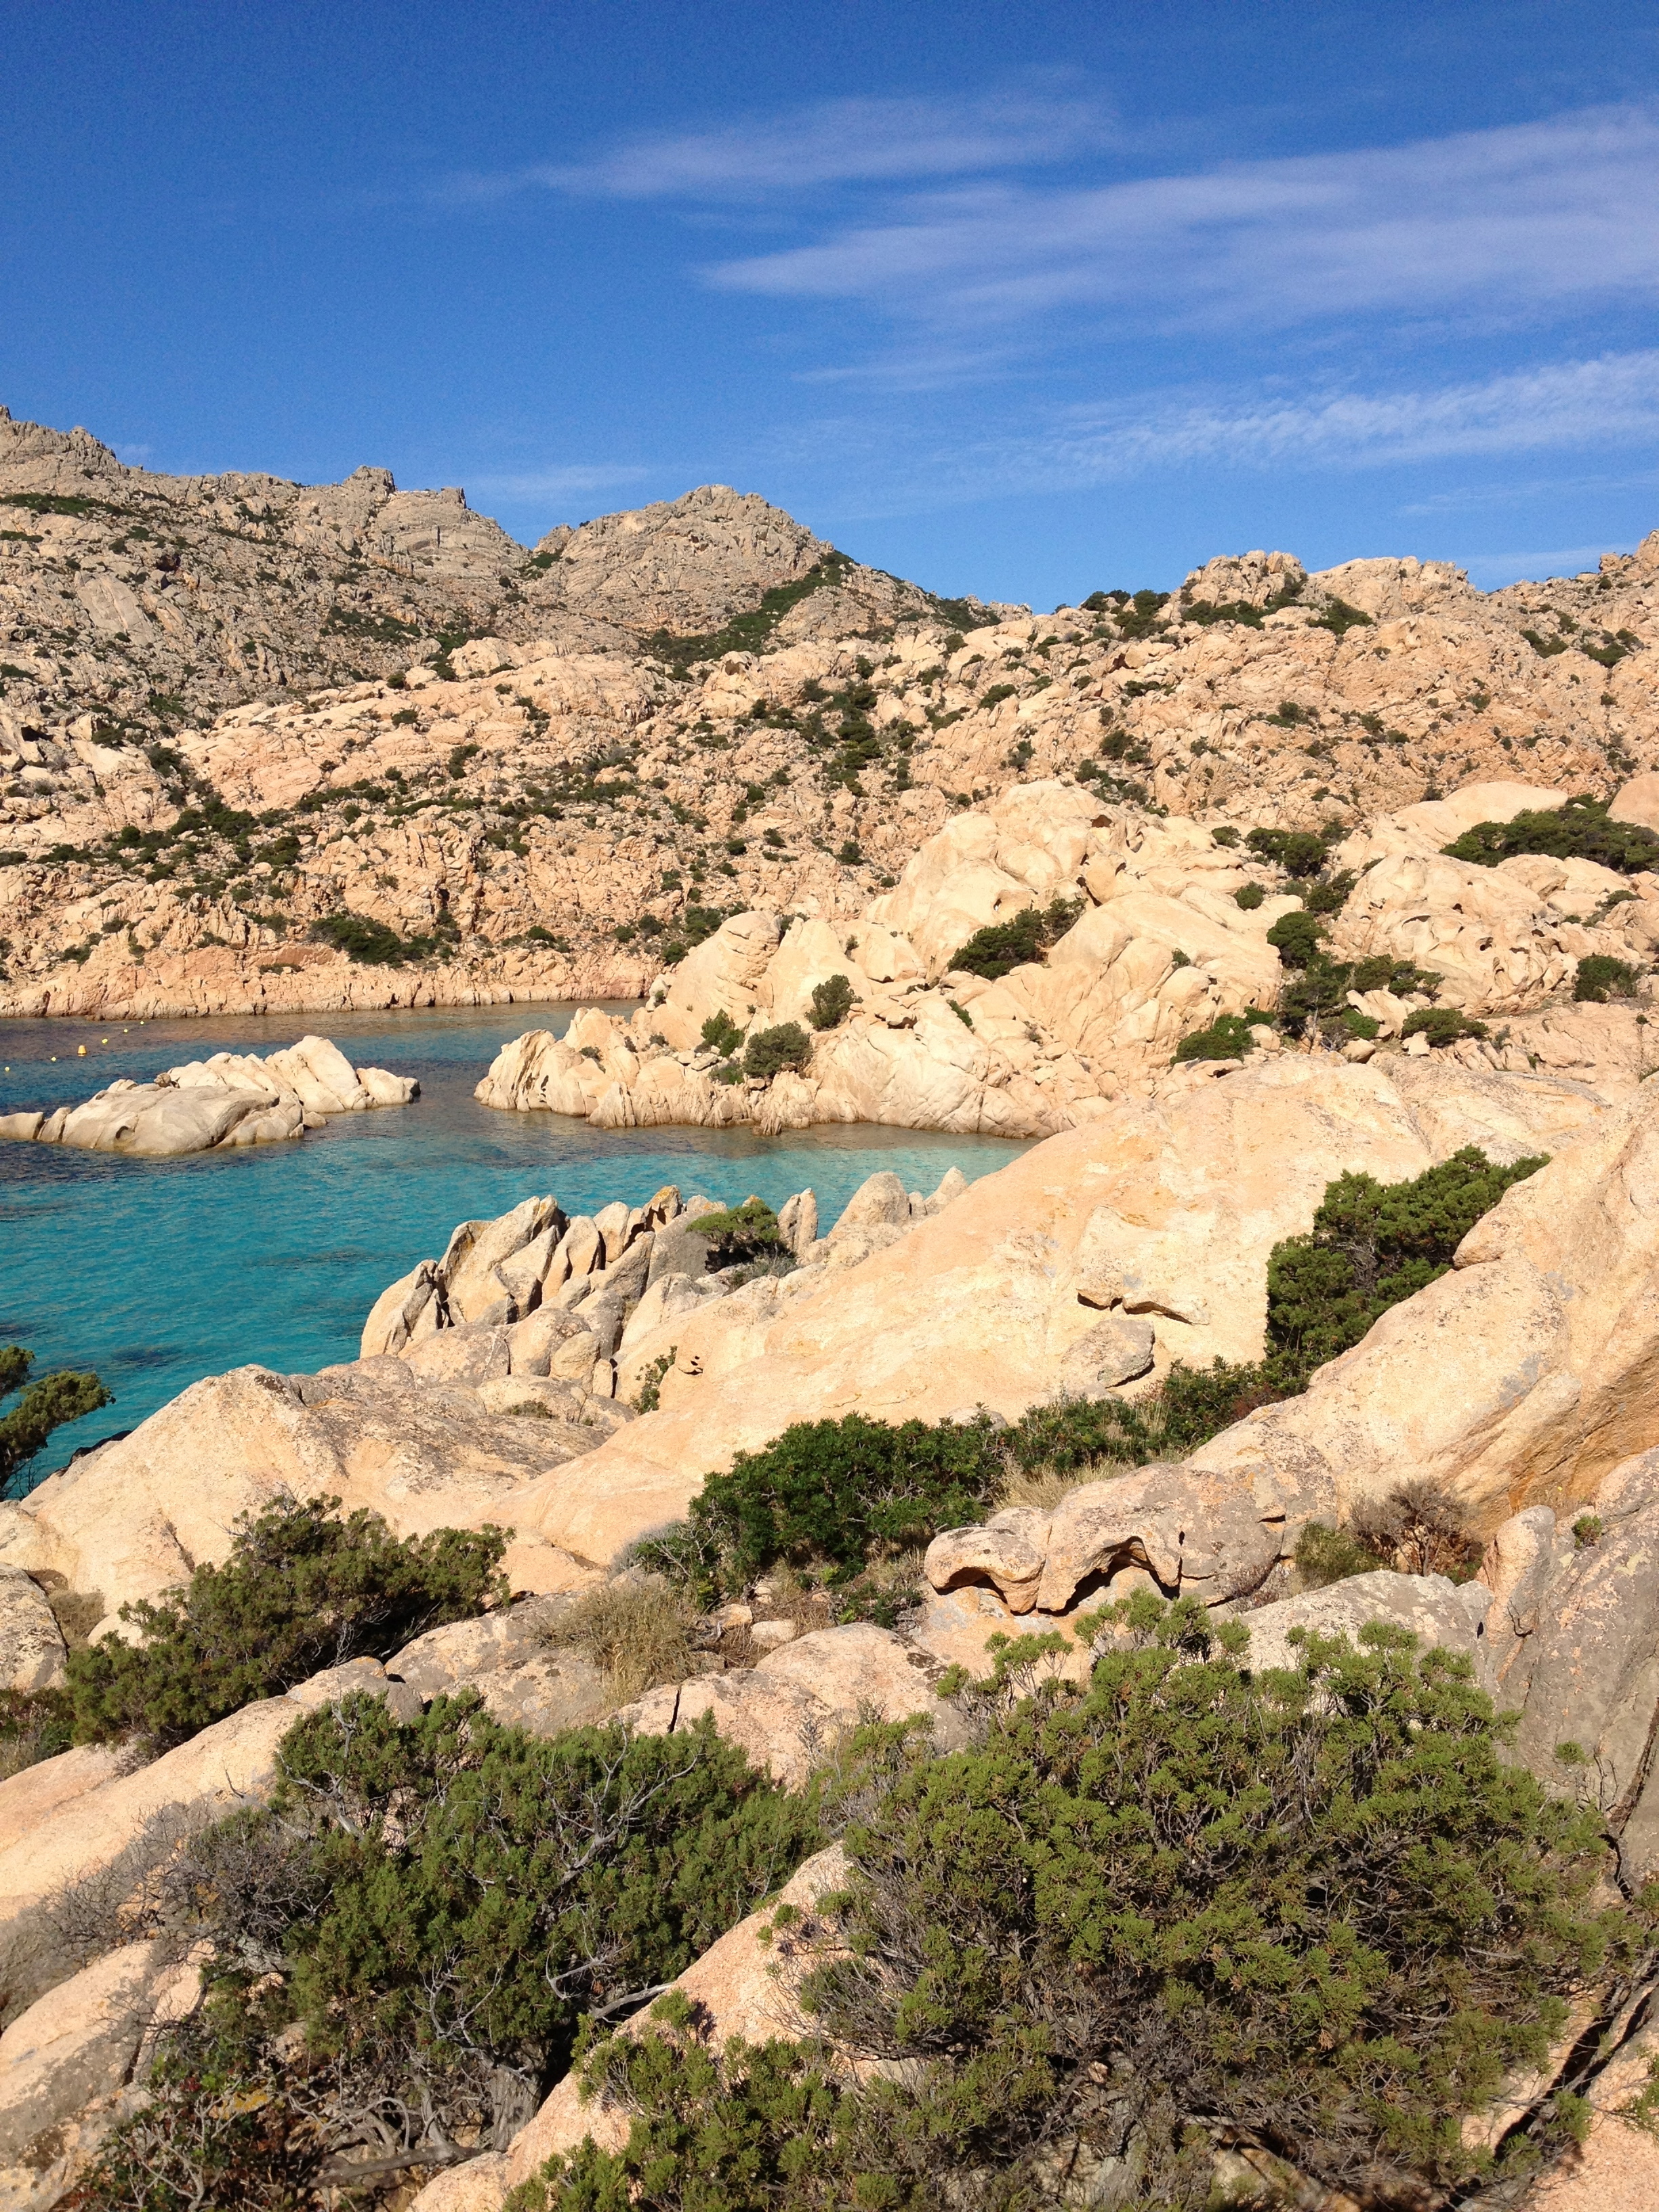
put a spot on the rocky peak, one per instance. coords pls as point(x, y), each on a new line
point(685, 565)
point(1248, 580)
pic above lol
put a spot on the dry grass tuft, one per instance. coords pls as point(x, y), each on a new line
point(638, 1634)
point(1044, 1486)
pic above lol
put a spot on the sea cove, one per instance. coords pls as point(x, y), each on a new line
point(157, 1272)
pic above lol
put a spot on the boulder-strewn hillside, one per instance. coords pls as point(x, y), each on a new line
point(1473, 1481)
point(551, 767)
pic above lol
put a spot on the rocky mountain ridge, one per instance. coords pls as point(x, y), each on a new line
point(552, 771)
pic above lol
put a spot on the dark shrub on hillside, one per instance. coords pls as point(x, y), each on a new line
point(1580, 830)
point(49, 1403)
point(1371, 1245)
point(1441, 1025)
point(1180, 1909)
point(403, 1946)
point(301, 1591)
point(832, 1001)
point(1228, 1037)
point(768, 1052)
point(1001, 947)
point(1186, 1408)
point(1298, 852)
point(1296, 936)
point(749, 1231)
point(721, 1034)
point(840, 1491)
point(371, 944)
point(1600, 977)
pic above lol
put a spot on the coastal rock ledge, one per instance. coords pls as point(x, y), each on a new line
point(232, 1098)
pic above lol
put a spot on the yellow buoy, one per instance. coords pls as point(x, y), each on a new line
point(81, 1051)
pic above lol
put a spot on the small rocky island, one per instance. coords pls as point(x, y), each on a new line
point(232, 1098)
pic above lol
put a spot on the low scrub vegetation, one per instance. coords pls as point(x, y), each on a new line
point(47, 1404)
point(1001, 947)
point(769, 1052)
point(832, 1001)
point(1371, 1245)
point(1580, 830)
point(740, 1234)
point(843, 1500)
point(405, 1942)
point(1600, 977)
point(1140, 1926)
point(301, 1591)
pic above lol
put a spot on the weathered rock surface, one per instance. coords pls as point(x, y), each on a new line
point(506, 1659)
point(131, 1519)
point(1574, 1639)
point(1160, 949)
point(1522, 1377)
point(66, 2063)
point(32, 1650)
point(1442, 1615)
point(598, 769)
point(1183, 1196)
point(232, 1098)
point(787, 1712)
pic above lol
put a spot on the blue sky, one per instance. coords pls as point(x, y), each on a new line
point(1015, 299)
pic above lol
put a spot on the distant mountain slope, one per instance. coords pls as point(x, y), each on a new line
point(151, 601)
point(234, 711)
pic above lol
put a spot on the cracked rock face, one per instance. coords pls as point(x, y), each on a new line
point(1193, 1536)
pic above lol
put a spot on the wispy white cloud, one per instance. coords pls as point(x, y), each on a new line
point(837, 141)
point(560, 483)
point(1530, 215)
point(1459, 498)
point(1496, 569)
point(1561, 407)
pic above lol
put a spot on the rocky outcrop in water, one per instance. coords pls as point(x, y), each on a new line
point(1156, 945)
point(230, 1099)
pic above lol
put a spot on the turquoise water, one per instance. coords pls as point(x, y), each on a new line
point(156, 1272)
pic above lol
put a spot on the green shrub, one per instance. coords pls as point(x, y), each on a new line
point(721, 1034)
point(832, 1001)
point(1371, 1245)
point(1600, 977)
point(1249, 897)
point(404, 1945)
point(1180, 1909)
point(768, 1052)
point(1339, 617)
point(1298, 852)
point(1329, 894)
point(838, 1493)
point(1001, 947)
point(301, 1591)
point(1296, 936)
point(1185, 1410)
point(371, 944)
point(1441, 1025)
point(49, 1403)
point(749, 1231)
point(1325, 1555)
point(1228, 1037)
point(1580, 830)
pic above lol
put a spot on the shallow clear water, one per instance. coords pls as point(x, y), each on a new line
point(158, 1272)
